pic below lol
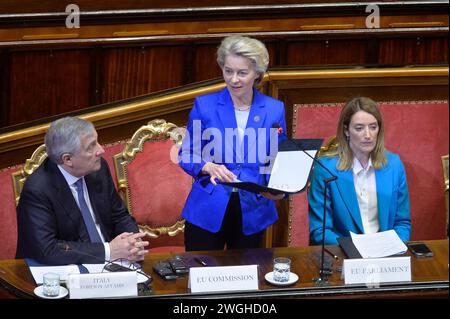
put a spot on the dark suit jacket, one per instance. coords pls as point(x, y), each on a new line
point(49, 218)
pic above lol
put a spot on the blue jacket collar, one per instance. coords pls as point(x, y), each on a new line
point(384, 194)
point(346, 187)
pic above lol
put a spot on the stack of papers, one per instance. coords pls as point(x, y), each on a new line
point(382, 244)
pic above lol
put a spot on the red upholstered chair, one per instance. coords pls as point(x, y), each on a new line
point(8, 215)
point(152, 184)
point(31, 164)
point(417, 131)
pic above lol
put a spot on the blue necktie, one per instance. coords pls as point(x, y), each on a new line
point(88, 221)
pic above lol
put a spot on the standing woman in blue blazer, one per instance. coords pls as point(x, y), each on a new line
point(232, 134)
point(370, 193)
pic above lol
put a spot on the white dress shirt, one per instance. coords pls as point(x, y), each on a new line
point(366, 193)
point(71, 180)
point(241, 121)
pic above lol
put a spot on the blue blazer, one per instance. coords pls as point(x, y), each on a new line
point(343, 214)
point(213, 115)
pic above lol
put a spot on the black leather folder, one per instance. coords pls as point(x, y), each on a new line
point(285, 146)
point(349, 248)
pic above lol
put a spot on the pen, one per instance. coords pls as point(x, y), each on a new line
point(201, 262)
point(333, 255)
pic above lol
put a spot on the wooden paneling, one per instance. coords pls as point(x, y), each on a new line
point(205, 64)
point(44, 83)
point(50, 82)
point(414, 50)
point(47, 69)
point(37, 6)
point(129, 72)
point(330, 52)
point(4, 88)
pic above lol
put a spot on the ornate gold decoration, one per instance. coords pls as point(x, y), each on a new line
point(156, 130)
point(330, 146)
point(31, 164)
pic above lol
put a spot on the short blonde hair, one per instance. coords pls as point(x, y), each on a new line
point(246, 47)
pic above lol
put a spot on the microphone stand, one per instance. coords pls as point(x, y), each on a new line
point(323, 273)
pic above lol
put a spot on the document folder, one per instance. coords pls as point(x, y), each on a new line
point(349, 248)
point(291, 168)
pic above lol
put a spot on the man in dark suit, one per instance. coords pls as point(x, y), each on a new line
point(69, 211)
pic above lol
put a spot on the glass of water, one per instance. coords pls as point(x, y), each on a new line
point(50, 287)
point(281, 269)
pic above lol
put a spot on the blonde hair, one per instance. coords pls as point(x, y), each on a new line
point(246, 47)
point(343, 149)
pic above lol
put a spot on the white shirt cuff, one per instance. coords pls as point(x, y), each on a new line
point(107, 251)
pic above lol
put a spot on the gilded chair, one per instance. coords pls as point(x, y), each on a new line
point(445, 170)
point(330, 146)
point(31, 164)
point(152, 184)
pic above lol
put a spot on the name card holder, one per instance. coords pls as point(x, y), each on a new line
point(229, 278)
point(103, 285)
point(373, 271)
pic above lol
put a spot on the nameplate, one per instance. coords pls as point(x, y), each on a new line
point(229, 278)
point(373, 271)
point(101, 285)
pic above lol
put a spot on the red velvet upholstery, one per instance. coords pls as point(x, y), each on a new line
point(110, 151)
point(158, 190)
point(8, 220)
point(418, 132)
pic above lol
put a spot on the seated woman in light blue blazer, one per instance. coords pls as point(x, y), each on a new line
point(371, 193)
point(233, 133)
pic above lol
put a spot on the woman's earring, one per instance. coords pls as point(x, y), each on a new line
point(348, 138)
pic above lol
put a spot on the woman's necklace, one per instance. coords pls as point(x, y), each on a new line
point(243, 108)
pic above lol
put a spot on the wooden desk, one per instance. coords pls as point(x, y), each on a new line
point(429, 278)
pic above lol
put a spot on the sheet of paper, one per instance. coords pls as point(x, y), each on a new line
point(291, 170)
point(63, 271)
point(382, 244)
point(94, 268)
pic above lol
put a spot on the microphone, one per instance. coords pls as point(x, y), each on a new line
point(324, 270)
point(110, 264)
point(66, 248)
